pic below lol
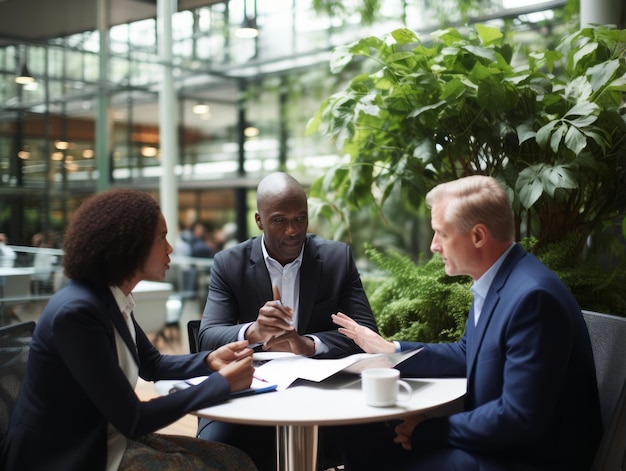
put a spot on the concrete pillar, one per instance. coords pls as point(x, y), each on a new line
point(603, 12)
point(168, 185)
point(103, 125)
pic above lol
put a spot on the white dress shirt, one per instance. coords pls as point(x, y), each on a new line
point(116, 444)
point(481, 286)
point(287, 279)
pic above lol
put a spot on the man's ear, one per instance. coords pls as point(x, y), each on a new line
point(257, 219)
point(479, 235)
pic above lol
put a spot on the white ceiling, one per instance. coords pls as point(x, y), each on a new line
point(35, 20)
point(32, 21)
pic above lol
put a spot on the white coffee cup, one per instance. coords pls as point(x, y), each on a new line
point(382, 385)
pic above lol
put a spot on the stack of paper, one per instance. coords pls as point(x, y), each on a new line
point(284, 370)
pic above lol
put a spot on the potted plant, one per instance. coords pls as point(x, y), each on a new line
point(549, 125)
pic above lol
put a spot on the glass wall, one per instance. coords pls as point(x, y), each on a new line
point(241, 112)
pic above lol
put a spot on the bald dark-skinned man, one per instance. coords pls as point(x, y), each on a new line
point(280, 289)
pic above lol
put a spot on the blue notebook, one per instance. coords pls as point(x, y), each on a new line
point(258, 387)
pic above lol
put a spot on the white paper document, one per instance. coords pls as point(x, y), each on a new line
point(284, 371)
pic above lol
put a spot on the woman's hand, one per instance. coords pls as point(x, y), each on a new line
point(239, 373)
point(363, 336)
point(226, 354)
point(234, 362)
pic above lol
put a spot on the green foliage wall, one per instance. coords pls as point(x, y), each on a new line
point(549, 125)
point(417, 301)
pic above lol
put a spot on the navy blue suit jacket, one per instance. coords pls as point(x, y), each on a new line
point(329, 282)
point(532, 398)
point(74, 386)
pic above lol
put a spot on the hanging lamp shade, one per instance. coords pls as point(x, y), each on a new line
point(24, 76)
point(248, 29)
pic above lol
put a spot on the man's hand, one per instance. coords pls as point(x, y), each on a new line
point(292, 342)
point(226, 354)
point(405, 430)
point(363, 336)
point(274, 319)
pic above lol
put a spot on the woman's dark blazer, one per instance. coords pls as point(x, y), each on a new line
point(74, 387)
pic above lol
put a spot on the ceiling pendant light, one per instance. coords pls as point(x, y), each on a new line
point(248, 29)
point(23, 76)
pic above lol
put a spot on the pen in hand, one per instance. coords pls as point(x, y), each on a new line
point(281, 306)
point(279, 303)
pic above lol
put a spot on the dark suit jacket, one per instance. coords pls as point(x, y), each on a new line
point(329, 282)
point(74, 387)
point(532, 399)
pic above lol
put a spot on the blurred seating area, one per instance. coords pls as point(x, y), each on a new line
point(29, 276)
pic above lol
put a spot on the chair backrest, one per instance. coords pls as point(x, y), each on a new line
point(184, 280)
point(150, 309)
point(608, 341)
point(193, 327)
point(190, 278)
point(15, 342)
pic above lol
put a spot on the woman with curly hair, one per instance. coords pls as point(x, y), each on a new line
point(77, 408)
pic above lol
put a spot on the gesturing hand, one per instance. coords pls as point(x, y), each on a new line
point(363, 336)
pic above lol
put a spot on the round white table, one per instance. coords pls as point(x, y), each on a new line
point(298, 411)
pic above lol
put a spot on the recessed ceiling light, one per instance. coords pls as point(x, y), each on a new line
point(201, 108)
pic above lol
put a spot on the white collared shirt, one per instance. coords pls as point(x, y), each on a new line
point(481, 286)
point(116, 443)
point(287, 279)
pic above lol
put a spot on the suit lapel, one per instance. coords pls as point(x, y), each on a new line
point(493, 297)
point(310, 277)
point(470, 327)
point(490, 305)
point(119, 323)
point(259, 273)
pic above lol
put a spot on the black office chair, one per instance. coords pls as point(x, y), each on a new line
point(608, 341)
point(193, 327)
point(15, 342)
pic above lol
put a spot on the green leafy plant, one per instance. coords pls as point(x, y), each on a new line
point(549, 126)
point(596, 285)
point(417, 301)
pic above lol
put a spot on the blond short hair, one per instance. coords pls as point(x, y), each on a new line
point(476, 199)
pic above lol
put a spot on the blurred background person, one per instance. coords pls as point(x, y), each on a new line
point(44, 263)
point(7, 254)
point(202, 242)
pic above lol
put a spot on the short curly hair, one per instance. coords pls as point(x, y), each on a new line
point(110, 236)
